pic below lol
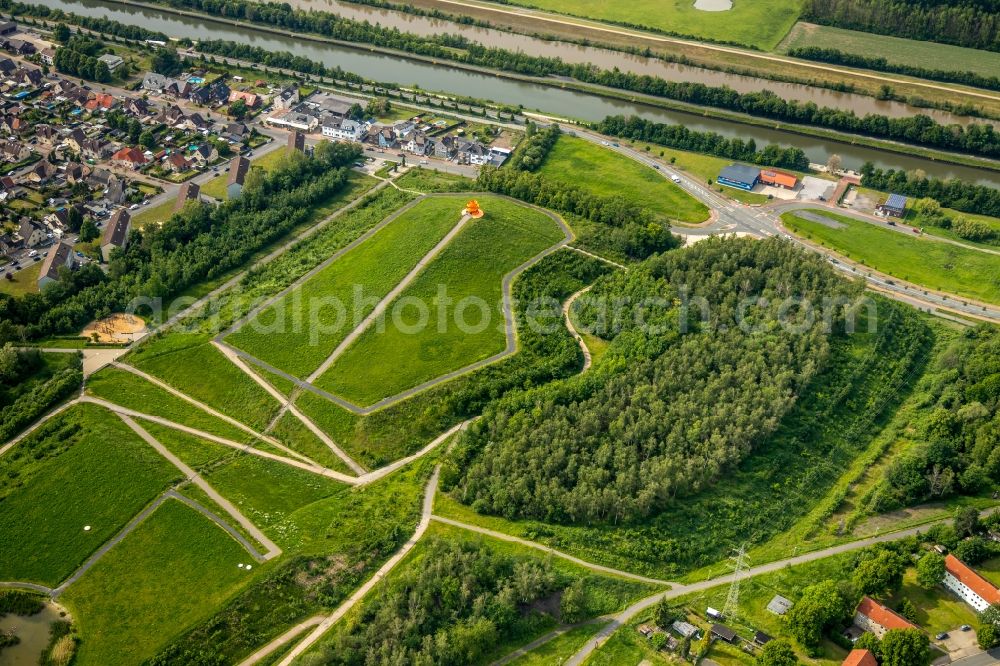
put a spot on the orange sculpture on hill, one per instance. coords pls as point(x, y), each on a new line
point(472, 209)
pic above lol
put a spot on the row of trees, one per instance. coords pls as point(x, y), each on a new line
point(920, 129)
point(929, 212)
point(973, 23)
point(634, 231)
point(956, 434)
point(280, 59)
point(952, 193)
point(878, 63)
point(200, 243)
point(674, 403)
point(78, 57)
point(533, 149)
point(709, 143)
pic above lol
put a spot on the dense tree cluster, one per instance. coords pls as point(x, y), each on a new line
point(461, 602)
point(536, 145)
point(953, 193)
point(23, 401)
point(78, 57)
point(709, 143)
point(973, 23)
point(878, 63)
point(165, 61)
point(200, 243)
point(104, 26)
point(674, 403)
point(633, 231)
point(957, 435)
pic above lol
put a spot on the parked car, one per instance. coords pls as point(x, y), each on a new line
point(33, 253)
point(943, 635)
point(965, 627)
point(134, 207)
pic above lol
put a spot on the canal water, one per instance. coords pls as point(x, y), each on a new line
point(548, 99)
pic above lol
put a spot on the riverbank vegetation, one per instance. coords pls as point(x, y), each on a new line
point(953, 193)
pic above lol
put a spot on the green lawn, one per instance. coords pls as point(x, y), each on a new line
point(605, 172)
point(894, 49)
point(298, 332)
point(216, 187)
point(757, 23)
point(424, 338)
point(932, 264)
point(127, 390)
point(937, 609)
point(432, 180)
point(297, 436)
point(192, 365)
point(165, 576)
point(154, 215)
point(67, 476)
point(24, 282)
point(559, 649)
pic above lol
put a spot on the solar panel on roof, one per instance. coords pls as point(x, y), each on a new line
point(896, 201)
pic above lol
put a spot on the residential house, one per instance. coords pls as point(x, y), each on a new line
point(970, 587)
point(115, 233)
point(170, 115)
point(74, 172)
point(41, 172)
point(75, 140)
point(131, 158)
point(116, 190)
point(7, 28)
point(96, 149)
point(303, 122)
point(195, 121)
point(14, 125)
point(47, 134)
point(445, 147)
point(100, 102)
point(164, 85)
point(472, 152)
point(296, 141)
point(876, 618)
point(403, 128)
point(58, 219)
point(32, 234)
point(216, 92)
point(189, 192)
point(176, 162)
point(204, 154)
point(7, 66)
point(238, 170)
point(112, 61)
point(14, 151)
point(344, 129)
point(252, 100)
point(287, 98)
point(138, 107)
point(235, 132)
point(386, 137)
point(860, 658)
point(59, 256)
point(30, 78)
point(419, 143)
point(48, 56)
point(20, 47)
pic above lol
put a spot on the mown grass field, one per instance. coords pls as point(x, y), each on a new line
point(605, 173)
point(131, 391)
point(70, 475)
point(24, 282)
point(757, 23)
point(424, 338)
point(216, 187)
point(298, 437)
point(153, 215)
point(894, 49)
point(162, 578)
point(193, 366)
point(932, 264)
point(559, 649)
point(298, 332)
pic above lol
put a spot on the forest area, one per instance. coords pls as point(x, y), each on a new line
point(972, 23)
point(677, 399)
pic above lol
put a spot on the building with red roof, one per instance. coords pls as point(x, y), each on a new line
point(972, 588)
point(129, 157)
point(876, 618)
point(860, 658)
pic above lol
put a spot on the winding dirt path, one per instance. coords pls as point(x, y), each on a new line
point(572, 329)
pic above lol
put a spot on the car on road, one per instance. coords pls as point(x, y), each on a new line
point(616, 144)
point(674, 177)
point(424, 162)
point(656, 166)
point(33, 253)
point(134, 207)
point(604, 143)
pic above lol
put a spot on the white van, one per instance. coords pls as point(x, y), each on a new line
point(674, 177)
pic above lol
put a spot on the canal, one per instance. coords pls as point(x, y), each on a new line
point(548, 99)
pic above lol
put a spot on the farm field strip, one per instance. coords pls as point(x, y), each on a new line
point(479, 266)
point(289, 406)
point(374, 261)
point(202, 406)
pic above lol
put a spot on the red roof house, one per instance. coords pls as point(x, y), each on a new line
point(876, 618)
point(969, 585)
point(860, 658)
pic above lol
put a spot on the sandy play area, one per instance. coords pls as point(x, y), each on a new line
point(118, 328)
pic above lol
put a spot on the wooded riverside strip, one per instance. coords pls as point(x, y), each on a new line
point(976, 139)
point(973, 23)
point(966, 197)
point(199, 243)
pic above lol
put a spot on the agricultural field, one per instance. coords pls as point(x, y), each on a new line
point(168, 574)
point(299, 331)
point(67, 476)
point(760, 24)
point(605, 173)
point(425, 342)
point(894, 49)
point(936, 265)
